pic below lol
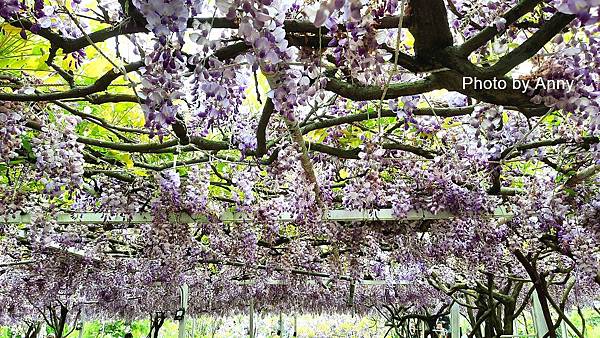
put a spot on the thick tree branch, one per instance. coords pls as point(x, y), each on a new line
point(198, 143)
point(532, 45)
point(540, 287)
point(582, 175)
point(585, 141)
point(488, 33)
point(101, 84)
point(366, 93)
point(408, 62)
point(261, 130)
point(453, 81)
point(110, 98)
point(428, 23)
point(353, 153)
point(132, 26)
point(305, 160)
point(332, 122)
point(180, 130)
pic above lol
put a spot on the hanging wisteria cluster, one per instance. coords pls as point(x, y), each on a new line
point(59, 158)
point(232, 146)
point(586, 10)
point(12, 119)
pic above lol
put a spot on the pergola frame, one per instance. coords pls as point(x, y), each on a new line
point(338, 215)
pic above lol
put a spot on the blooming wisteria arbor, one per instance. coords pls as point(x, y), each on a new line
point(248, 149)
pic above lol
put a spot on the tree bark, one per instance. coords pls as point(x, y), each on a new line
point(540, 286)
point(427, 21)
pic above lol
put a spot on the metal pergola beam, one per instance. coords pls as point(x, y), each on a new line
point(366, 282)
point(340, 215)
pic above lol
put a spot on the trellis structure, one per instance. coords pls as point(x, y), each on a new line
point(333, 216)
point(540, 326)
point(340, 215)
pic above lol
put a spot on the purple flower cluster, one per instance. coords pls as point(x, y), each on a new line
point(261, 26)
point(368, 191)
point(327, 8)
point(405, 112)
point(169, 183)
point(189, 195)
point(357, 47)
point(243, 130)
point(165, 17)
point(583, 98)
point(365, 193)
point(161, 81)
point(482, 13)
point(43, 16)
point(162, 85)
point(196, 190)
point(9, 9)
point(495, 130)
point(450, 172)
point(294, 89)
point(116, 201)
point(12, 125)
point(245, 180)
point(218, 93)
point(287, 172)
point(584, 9)
point(59, 162)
